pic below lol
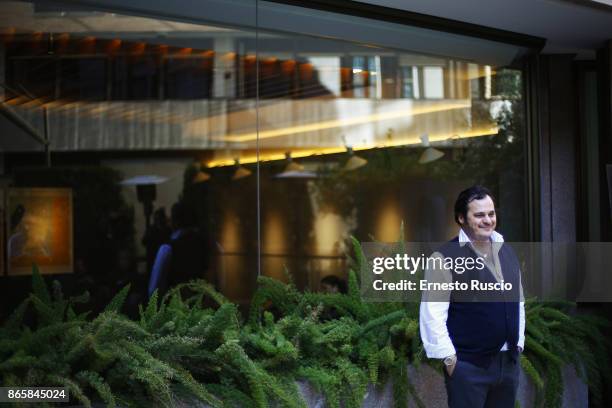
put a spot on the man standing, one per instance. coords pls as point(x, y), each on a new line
point(479, 342)
point(184, 257)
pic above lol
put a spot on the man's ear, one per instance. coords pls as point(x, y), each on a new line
point(461, 219)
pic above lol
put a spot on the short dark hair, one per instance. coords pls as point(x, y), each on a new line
point(466, 197)
point(333, 280)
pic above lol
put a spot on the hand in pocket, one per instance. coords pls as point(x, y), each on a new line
point(450, 369)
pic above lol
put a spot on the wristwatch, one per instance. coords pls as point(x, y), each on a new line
point(450, 360)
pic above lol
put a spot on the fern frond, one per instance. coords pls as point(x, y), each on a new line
point(118, 300)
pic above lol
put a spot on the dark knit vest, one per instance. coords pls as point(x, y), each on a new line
point(479, 329)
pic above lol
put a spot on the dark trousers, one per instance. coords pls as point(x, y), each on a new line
point(471, 386)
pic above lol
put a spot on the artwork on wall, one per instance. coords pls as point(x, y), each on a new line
point(39, 230)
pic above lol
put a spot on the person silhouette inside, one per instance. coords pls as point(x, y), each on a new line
point(183, 257)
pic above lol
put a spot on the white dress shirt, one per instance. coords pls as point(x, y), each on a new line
point(433, 315)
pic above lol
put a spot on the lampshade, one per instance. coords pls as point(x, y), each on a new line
point(354, 162)
point(241, 172)
point(144, 180)
point(291, 167)
point(430, 154)
point(146, 190)
point(294, 170)
point(200, 177)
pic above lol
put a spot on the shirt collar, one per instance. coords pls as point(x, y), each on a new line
point(464, 239)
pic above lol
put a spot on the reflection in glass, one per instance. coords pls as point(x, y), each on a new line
point(142, 96)
point(392, 134)
point(383, 124)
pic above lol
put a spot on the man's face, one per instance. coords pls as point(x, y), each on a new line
point(480, 221)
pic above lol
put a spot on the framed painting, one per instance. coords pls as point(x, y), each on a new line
point(38, 230)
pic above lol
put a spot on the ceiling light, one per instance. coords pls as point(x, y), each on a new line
point(354, 162)
point(291, 165)
point(405, 141)
point(294, 170)
point(241, 171)
point(200, 177)
point(430, 154)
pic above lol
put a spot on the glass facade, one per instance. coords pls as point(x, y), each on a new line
point(287, 130)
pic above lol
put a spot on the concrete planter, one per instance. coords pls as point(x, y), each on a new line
point(430, 387)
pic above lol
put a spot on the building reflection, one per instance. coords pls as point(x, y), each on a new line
point(171, 93)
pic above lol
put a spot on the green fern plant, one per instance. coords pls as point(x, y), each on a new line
point(180, 349)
